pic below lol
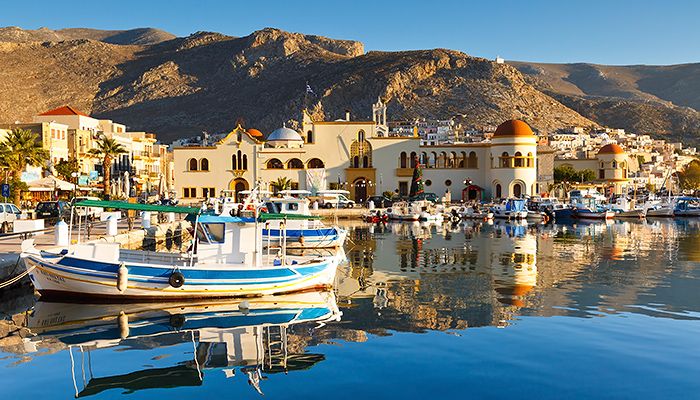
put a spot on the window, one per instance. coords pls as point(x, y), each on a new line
point(472, 161)
point(274, 164)
point(403, 160)
point(292, 206)
point(211, 233)
point(204, 164)
point(245, 162)
point(192, 164)
point(189, 193)
point(295, 163)
point(428, 182)
point(498, 191)
point(601, 174)
point(234, 162)
point(361, 136)
point(309, 137)
point(505, 160)
point(403, 188)
point(448, 183)
point(315, 163)
point(519, 159)
point(208, 192)
point(413, 160)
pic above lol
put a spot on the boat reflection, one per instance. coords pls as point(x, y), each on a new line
point(250, 335)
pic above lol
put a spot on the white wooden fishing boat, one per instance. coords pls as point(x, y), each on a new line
point(687, 207)
point(225, 260)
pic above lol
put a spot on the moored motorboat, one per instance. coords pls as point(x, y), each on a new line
point(510, 209)
point(301, 229)
point(225, 260)
point(474, 212)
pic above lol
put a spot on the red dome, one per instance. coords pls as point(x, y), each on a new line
point(254, 132)
point(611, 148)
point(513, 127)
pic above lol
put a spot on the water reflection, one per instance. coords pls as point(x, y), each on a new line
point(254, 337)
point(410, 277)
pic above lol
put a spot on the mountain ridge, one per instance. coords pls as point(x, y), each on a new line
point(180, 86)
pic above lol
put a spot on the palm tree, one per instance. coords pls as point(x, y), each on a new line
point(280, 184)
point(107, 148)
point(21, 148)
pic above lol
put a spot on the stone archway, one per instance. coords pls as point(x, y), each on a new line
point(517, 188)
point(360, 186)
point(238, 185)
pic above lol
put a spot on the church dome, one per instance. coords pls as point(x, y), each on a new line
point(284, 134)
point(254, 132)
point(611, 148)
point(513, 127)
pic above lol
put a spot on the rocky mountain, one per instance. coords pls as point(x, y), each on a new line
point(661, 100)
point(141, 36)
point(178, 87)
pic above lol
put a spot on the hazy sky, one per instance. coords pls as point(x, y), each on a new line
point(606, 32)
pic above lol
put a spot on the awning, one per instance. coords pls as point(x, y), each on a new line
point(122, 205)
point(49, 184)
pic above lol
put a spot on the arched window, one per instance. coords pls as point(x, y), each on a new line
point(403, 161)
point(274, 164)
point(462, 163)
point(192, 164)
point(295, 163)
point(359, 150)
point(519, 159)
point(413, 160)
point(453, 160)
point(517, 190)
point(472, 161)
point(442, 160)
point(505, 160)
point(315, 163)
point(234, 162)
point(433, 160)
point(602, 164)
point(529, 160)
point(204, 164)
point(309, 137)
point(498, 191)
point(244, 164)
point(424, 159)
point(614, 164)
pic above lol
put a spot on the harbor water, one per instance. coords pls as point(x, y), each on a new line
point(478, 310)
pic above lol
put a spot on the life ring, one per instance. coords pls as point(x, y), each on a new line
point(176, 280)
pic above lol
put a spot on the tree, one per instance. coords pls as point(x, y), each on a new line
point(66, 168)
point(280, 184)
point(21, 148)
point(567, 173)
point(107, 148)
point(689, 177)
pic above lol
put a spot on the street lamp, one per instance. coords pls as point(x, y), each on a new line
point(74, 175)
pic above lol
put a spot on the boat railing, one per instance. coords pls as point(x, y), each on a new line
point(154, 257)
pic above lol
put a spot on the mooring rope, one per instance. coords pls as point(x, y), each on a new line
point(17, 278)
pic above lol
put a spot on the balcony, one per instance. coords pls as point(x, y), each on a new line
point(404, 171)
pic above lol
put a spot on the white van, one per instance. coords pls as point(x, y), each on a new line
point(9, 213)
point(334, 199)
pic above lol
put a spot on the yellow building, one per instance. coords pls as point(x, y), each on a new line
point(611, 164)
point(359, 156)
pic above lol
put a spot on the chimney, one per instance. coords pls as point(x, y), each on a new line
point(347, 115)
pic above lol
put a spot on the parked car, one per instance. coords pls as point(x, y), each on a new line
point(91, 212)
point(9, 213)
point(52, 211)
point(379, 201)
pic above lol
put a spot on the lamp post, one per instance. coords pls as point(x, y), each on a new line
point(74, 175)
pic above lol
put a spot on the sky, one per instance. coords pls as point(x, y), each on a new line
point(617, 32)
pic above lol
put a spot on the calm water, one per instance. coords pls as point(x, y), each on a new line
point(482, 311)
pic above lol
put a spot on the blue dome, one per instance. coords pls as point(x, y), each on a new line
point(285, 133)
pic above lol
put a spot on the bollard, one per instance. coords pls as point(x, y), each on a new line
point(171, 217)
point(145, 219)
point(111, 226)
point(61, 234)
point(371, 205)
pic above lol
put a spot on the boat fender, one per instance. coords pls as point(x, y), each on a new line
point(177, 321)
point(123, 322)
point(122, 278)
point(244, 307)
point(301, 240)
point(176, 280)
